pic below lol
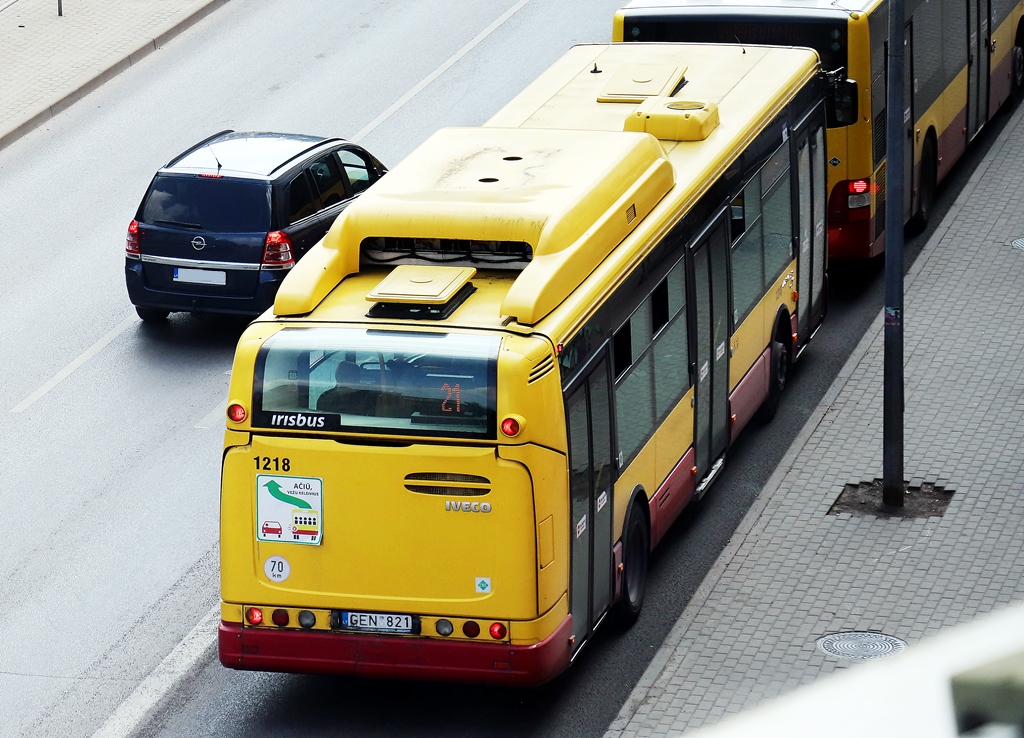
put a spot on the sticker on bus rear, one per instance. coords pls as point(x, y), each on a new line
point(289, 509)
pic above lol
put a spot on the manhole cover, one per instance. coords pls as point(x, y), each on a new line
point(1018, 243)
point(860, 645)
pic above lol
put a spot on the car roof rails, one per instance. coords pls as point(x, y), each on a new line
point(298, 154)
point(199, 145)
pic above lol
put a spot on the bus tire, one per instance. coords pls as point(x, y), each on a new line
point(1016, 74)
point(778, 374)
point(152, 315)
point(636, 548)
point(926, 190)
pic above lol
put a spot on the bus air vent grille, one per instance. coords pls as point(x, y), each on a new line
point(447, 491)
point(878, 136)
point(542, 369)
point(445, 483)
point(880, 201)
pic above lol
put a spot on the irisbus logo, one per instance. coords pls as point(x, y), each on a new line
point(296, 420)
point(456, 506)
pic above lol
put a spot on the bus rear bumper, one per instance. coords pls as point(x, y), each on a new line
point(393, 657)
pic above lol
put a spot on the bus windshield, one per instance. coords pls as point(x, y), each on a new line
point(382, 382)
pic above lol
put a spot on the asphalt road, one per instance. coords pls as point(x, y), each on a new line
point(111, 476)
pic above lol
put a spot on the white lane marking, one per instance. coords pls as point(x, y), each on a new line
point(127, 718)
point(214, 417)
point(70, 368)
point(440, 70)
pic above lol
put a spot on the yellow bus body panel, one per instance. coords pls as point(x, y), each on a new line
point(658, 457)
point(385, 547)
point(549, 471)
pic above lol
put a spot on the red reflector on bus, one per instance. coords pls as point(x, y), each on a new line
point(498, 631)
point(254, 615)
point(280, 617)
point(510, 427)
point(471, 629)
point(236, 412)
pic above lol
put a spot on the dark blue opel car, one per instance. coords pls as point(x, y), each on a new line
point(222, 223)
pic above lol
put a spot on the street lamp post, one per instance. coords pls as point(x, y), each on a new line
point(892, 423)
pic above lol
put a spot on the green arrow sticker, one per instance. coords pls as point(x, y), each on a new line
point(275, 491)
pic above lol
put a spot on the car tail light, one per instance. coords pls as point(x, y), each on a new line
point(277, 251)
point(498, 631)
point(131, 241)
point(254, 615)
point(211, 176)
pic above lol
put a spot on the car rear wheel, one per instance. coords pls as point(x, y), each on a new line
point(152, 315)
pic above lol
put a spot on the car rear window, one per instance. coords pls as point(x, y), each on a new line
point(378, 382)
point(216, 205)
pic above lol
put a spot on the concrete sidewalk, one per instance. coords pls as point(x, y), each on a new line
point(792, 572)
point(49, 62)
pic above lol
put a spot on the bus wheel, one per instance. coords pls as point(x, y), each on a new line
point(1017, 74)
point(779, 369)
point(636, 548)
point(926, 194)
point(151, 315)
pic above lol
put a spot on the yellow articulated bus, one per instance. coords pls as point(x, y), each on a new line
point(512, 363)
point(963, 60)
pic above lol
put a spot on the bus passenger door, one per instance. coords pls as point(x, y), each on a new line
point(590, 488)
point(977, 65)
point(711, 392)
point(812, 189)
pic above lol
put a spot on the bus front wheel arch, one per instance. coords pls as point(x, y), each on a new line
point(636, 549)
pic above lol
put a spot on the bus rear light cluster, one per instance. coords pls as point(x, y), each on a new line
point(254, 616)
point(277, 251)
point(236, 412)
point(858, 201)
point(131, 241)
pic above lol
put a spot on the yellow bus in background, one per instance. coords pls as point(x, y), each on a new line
point(512, 363)
point(963, 60)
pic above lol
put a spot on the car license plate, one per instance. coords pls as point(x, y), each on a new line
point(377, 622)
point(199, 276)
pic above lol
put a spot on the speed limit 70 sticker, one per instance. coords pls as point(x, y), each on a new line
point(277, 568)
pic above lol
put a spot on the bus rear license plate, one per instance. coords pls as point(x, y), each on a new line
point(199, 276)
point(377, 622)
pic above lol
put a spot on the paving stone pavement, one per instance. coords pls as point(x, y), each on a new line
point(791, 573)
point(48, 62)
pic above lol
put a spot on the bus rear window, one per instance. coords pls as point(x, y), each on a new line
point(378, 382)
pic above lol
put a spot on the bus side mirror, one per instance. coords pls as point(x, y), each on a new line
point(844, 101)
